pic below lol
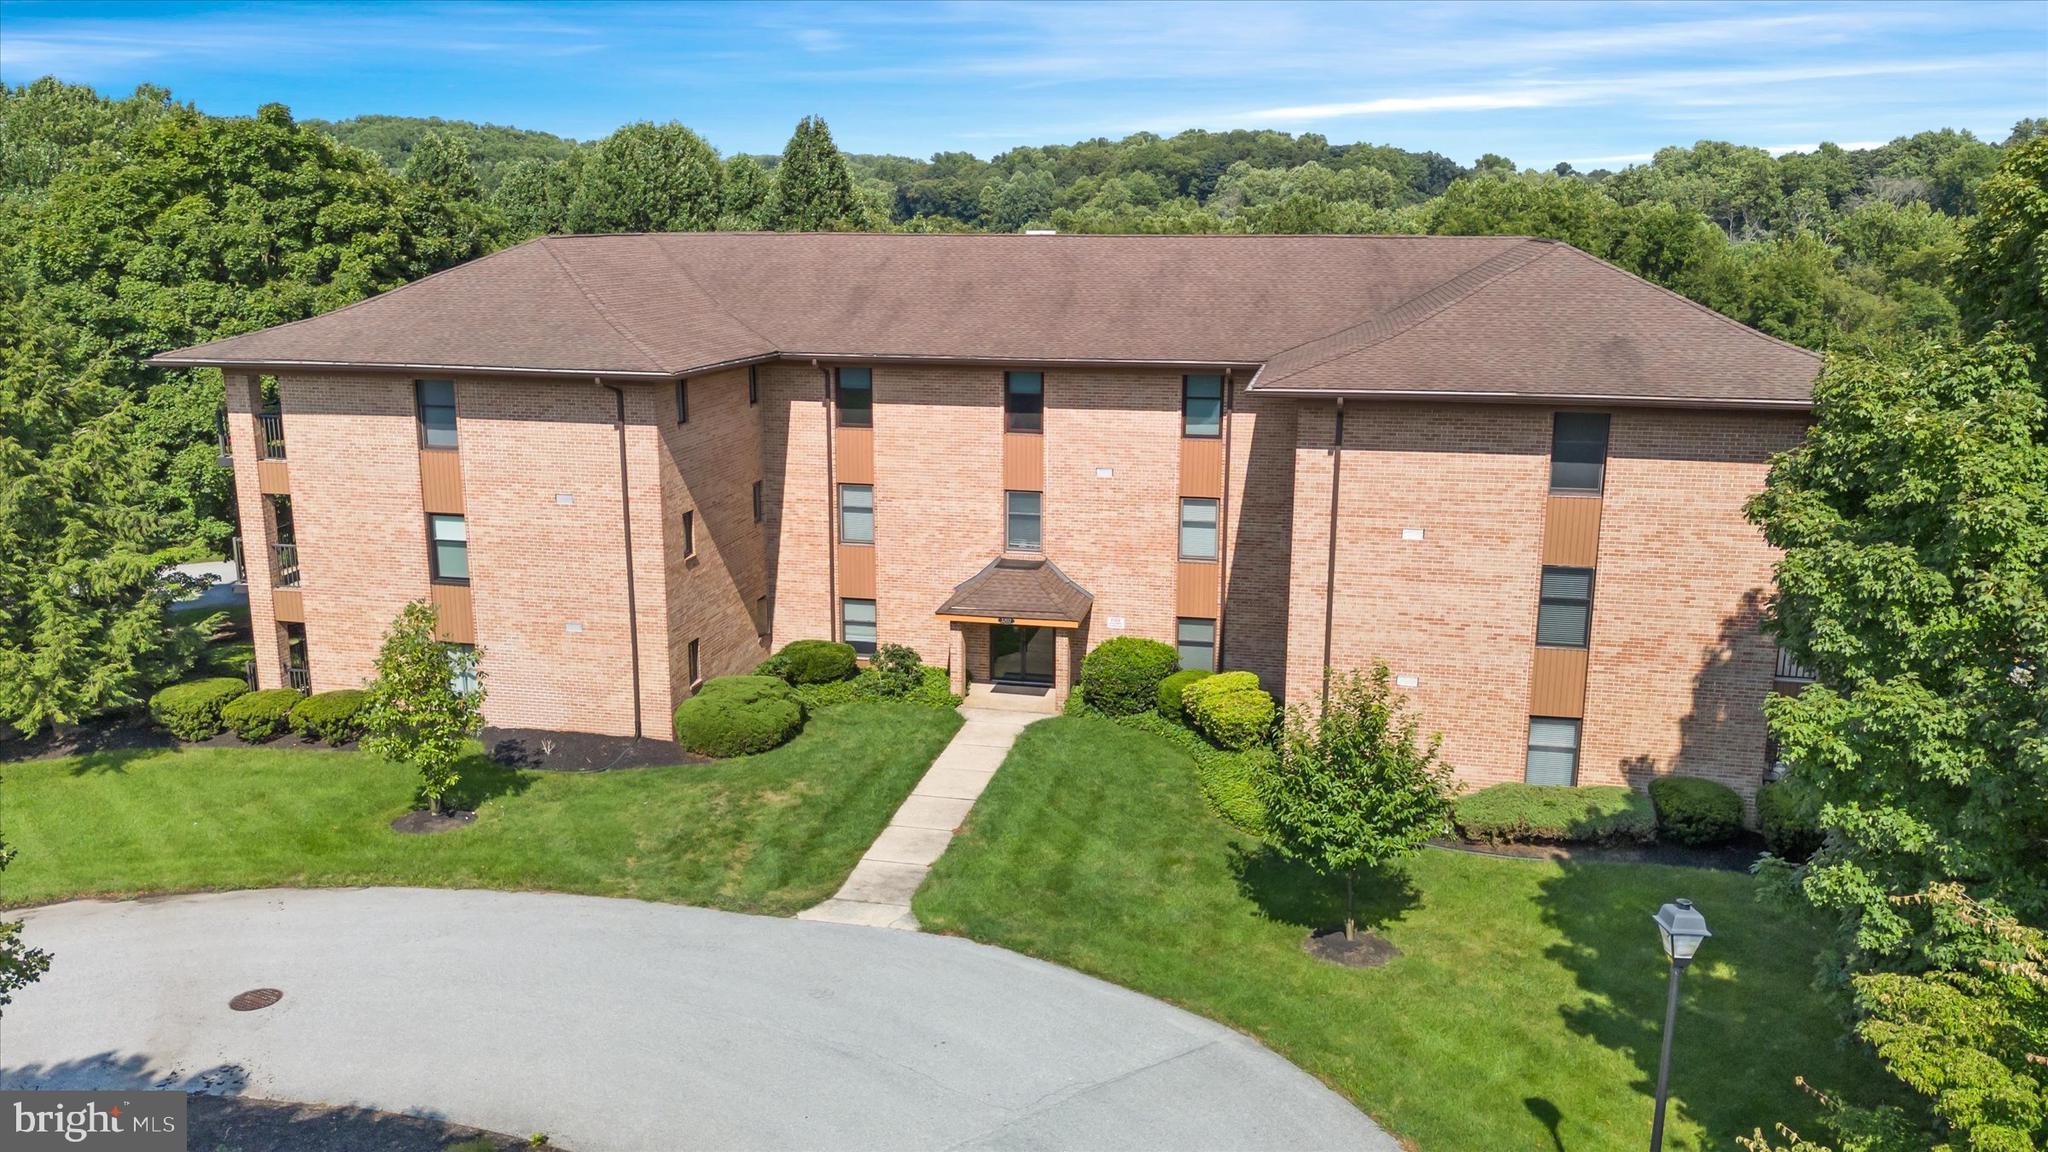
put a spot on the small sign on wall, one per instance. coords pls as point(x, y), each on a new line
point(565, 498)
point(573, 626)
point(1116, 622)
point(1411, 533)
point(1104, 473)
point(1407, 681)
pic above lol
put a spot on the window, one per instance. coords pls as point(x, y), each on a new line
point(1578, 452)
point(761, 617)
point(1553, 751)
point(1564, 608)
point(857, 513)
point(682, 401)
point(694, 677)
point(450, 555)
point(1201, 405)
point(1021, 521)
point(1196, 640)
point(462, 677)
point(689, 534)
point(753, 384)
point(1198, 529)
point(436, 399)
point(760, 508)
point(857, 625)
point(1024, 401)
point(856, 400)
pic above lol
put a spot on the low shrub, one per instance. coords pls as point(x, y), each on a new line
point(260, 716)
point(894, 670)
point(1121, 675)
point(335, 717)
point(1227, 779)
point(1231, 710)
point(1695, 811)
point(191, 711)
point(933, 689)
point(738, 716)
point(1593, 814)
point(1170, 689)
point(811, 662)
point(1791, 827)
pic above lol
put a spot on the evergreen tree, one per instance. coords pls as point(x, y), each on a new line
point(813, 190)
point(648, 178)
point(748, 199)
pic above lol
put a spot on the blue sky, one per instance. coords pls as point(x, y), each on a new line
point(1596, 84)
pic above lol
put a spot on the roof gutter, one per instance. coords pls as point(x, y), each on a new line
point(1536, 398)
point(168, 361)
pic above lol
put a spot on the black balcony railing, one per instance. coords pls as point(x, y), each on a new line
point(286, 568)
point(298, 676)
point(1790, 669)
point(220, 435)
point(271, 424)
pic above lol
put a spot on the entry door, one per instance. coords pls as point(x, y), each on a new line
point(1020, 655)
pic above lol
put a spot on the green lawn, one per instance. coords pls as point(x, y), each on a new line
point(772, 833)
point(1524, 1012)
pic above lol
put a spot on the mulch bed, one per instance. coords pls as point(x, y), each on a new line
point(546, 751)
point(1367, 951)
point(1735, 857)
point(420, 822)
point(241, 1124)
point(136, 733)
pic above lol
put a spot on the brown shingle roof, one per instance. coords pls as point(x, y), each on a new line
point(1480, 315)
point(1010, 588)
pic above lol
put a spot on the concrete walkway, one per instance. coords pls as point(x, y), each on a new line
point(620, 1025)
point(877, 893)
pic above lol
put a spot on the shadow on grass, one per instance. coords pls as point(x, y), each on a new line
point(1547, 1115)
point(1292, 893)
point(115, 758)
point(483, 780)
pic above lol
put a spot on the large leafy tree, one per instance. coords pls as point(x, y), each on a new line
point(2002, 275)
point(813, 190)
point(648, 178)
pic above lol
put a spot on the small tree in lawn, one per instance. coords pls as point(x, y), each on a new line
point(1356, 787)
point(415, 714)
point(20, 965)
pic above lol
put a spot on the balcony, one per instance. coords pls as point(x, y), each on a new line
point(285, 565)
point(1791, 671)
point(298, 676)
point(271, 444)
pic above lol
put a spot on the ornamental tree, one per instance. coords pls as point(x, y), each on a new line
point(416, 715)
point(1356, 786)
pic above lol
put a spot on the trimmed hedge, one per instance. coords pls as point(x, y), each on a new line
point(811, 662)
point(335, 717)
point(1791, 828)
point(1591, 814)
point(1695, 811)
point(1121, 675)
point(738, 716)
point(191, 711)
point(934, 690)
point(1227, 779)
point(260, 716)
point(1231, 710)
point(1170, 689)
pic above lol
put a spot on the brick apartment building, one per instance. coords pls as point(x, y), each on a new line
point(623, 464)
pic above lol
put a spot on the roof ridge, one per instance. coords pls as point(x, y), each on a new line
point(597, 306)
point(1403, 316)
point(1731, 321)
point(774, 346)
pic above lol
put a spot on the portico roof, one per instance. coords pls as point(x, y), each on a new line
point(1015, 590)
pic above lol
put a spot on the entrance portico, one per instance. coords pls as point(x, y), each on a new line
point(1015, 624)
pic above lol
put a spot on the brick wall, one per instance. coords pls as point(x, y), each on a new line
point(794, 544)
point(1258, 538)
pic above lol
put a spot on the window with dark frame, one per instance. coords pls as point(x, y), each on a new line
point(856, 514)
point(1022, 521)
point(856, 398)
point(760, 506)
point(1578, 452)
point(761, 617)
point(1201, 406)
point(753, 384)
point(689, 534)
point(449, 548)
point(1553, 751)
point(1198, 528)
point(436, 400)
point(695, 679)
point(1564, 608)
point(682, 401)
point(1195, 639)
point(1024, 401)
point(857, 625)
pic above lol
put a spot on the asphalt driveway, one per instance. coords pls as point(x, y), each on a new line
point(613, 1024)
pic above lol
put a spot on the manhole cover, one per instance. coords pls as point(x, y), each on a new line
point(256, 998)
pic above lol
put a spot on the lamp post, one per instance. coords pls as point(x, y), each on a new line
point(1682, 928)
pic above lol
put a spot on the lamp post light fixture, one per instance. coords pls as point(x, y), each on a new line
point(1682, 928)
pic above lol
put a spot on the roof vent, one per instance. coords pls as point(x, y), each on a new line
point(1041, 231)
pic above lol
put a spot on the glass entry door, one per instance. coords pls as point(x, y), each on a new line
point(1020, 655)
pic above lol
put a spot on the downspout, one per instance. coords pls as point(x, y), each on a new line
point(626, 526)
point(1330, 579)
point(831, 513)
point(1222, 522)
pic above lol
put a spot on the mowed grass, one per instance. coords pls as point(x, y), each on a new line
point(771, 834)
point(1524, 1012)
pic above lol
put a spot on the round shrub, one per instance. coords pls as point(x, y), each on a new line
point(738, 716)
point(1791, 828)
point(1695, 811)
point(336, 717)
point(1231, 710)
point(811, 662)
point(260, 716)
point(1170, 689)
point(1121, 675)
point(191, 711)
